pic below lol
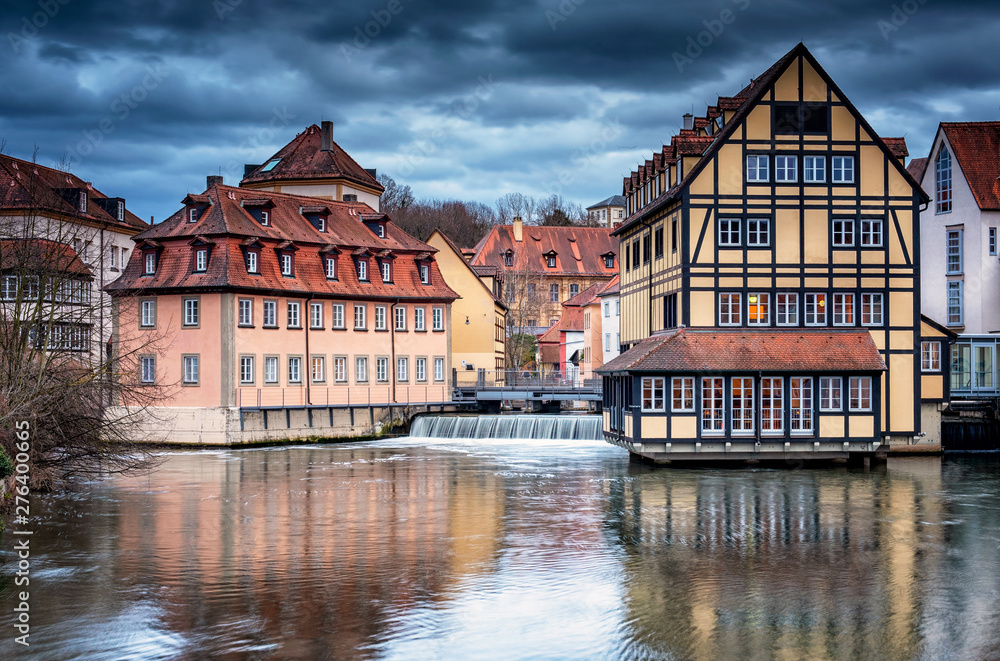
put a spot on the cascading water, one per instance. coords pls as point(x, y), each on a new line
point(527, 426)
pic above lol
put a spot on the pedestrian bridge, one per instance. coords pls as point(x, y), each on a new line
point(509, 385)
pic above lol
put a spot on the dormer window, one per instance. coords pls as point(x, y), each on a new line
point(363, 270)
point(331, 268)
point(252, 261)
point(550, 260)
point(150, 259)
point(265, 217)
point(609, 261)
point(83, 201)
point(321, 224)
point(201, 259)
point(270, 165)
point(508, 258)
point(380, 230)
point(386, 271)
point(193, 215)
point(121, 211)
point(286, 264)
point(425, 274)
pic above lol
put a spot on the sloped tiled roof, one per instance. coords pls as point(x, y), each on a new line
point(612, 287)
point(302, 159)
point(977, 149)
point(578, 249)
point(613, 201)
point(41, 256)
point(727, 351)
point(27, 186)
point(916, 168)
point(586, 297)
point(458, 253)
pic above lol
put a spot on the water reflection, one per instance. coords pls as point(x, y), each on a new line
point(505, 549)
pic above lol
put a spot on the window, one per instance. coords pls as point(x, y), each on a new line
point(729, 232)
point(508, 258)
point(190, 369)
point(786, 169)
point(150, 263)
point(787, 309)
point(420, 365)
point(124, 261)
point(401, 318)
point(682, 387)
point(757, 168)
point(814, 169)
point(148, 369)
point(942, 181)
point(381, 369)
point(293, 314)
point(860, 393)
point(871, 309)
point(265, 217)
point(315, 315)
point(801, 406)
point(438, 319)
point(830, 393)
point(628, 262)
point(286, 264)
point(550, 261)
point(729, 309)
point(294, 369)
point(815, 309)
point(843, 233)
point(743, 410)
point(439, 369)
point(191, 312)
point(147, 317)
point(574, 290)
point(425, 274)
point(401, 367)
point(759, 309)
point(554, 293)
point(955, 312)
point(318, 365)
point(363, 270)
point(993, 241)
point(607, 309)
point(360, 316)
point(121, 212)
point(331, 268)
point(652, 393)
point(673, 236)
point(340, 369)
point(617, 307)
point(201, 260)
point(607, 341)
point(843, 169)
point(609, 261)
point(338, 316)
point(246, 369)
point(246, 312)
point(635, 254)
point(361, 369)
point(670, 319)
point(843, 309)
point(954, 248)
point(321, 224)
point(270, 369)
point(794, 118)
point(759, 232)
point(386, 272)
point(871, 232)
point(270, 314)
point(251, 261)
point(713, 392)
point(645, 250)
point(772, 417)
point(380, 320)
point(113, 257)
point(930, 356)
point(192, 215)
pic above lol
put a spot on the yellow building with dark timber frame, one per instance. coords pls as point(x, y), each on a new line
point(770, 283)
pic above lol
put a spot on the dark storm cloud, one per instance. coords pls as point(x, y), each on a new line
point(456, 97)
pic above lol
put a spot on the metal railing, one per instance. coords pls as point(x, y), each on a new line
point(341, 396)
point(483, 379)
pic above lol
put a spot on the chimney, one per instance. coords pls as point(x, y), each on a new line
point(518, 229)
point(213, 180)
point(688, 121)
point(326, 136)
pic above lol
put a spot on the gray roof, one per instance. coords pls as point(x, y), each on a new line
point(613, 201)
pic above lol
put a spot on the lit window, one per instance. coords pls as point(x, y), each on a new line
point(713, 393)
point(772, 405)
point(843, 232)
point(148, 374)
point(190, 369)
point(759, 309)
point(815, 309)
point(246, 369)
point(759, 232)
point(871, 232)
point(653, 393)
point(942, 181)
point(757, 166)
point(954, 248)
point(787, 309)
point(843, 169)
point(730, 308)
point(930, 356)
point(955, 311)
point(871, 309)
point(190, 312)
point(729, 231)
point(786, 169)
point(801, 405)
point(830, 393)
point(843, 309)
point(860, 396)
point(742, 405)
point(814, 169)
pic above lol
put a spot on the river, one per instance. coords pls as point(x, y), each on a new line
point(508, 549)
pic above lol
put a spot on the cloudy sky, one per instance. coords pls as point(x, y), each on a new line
point(464, 99)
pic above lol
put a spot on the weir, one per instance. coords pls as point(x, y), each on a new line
point(568, 427)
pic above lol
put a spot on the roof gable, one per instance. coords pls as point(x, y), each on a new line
point(976, 148)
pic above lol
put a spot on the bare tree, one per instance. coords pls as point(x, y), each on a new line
point(514, 205)
point(395, 199)
point(524, 298)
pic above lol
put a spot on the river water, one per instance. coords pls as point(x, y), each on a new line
point(506, 549)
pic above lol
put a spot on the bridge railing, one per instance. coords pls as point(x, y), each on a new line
point(484, 379)
point(341, 396)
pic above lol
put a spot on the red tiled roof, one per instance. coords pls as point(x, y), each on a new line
point(586, 297)
point(725, 351)
point(612, 287)
point(303, 159)
point(897, 146)
point(916, 168)
point(976, 146)
point(27, 186)
point(41, 256)
point(578, 249)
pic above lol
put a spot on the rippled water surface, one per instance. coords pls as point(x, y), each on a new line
point(505, 549)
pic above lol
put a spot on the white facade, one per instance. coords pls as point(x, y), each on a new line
point(610, 325)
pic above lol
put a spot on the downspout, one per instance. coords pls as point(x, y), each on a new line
point(307, 321)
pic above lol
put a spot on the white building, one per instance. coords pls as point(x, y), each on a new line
point(611, 319)
point(608, 212)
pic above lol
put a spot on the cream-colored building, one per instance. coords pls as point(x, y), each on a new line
point(608, 212)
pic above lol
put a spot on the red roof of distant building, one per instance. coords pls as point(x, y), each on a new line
point(41, 256)
point(579, 250)
point(977, 149)
point(897, 146)
point(612, 287)
point(916, 168)
point(586, 297)
point(725, 351)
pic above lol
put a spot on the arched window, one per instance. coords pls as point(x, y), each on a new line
point(943, 181)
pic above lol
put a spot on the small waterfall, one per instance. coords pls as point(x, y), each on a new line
point(526, 426)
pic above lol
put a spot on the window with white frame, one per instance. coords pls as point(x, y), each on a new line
point(729, 232)
point(759, 309)
point(815, 309)
point(338, 316)
point(713, 405)
point(294, 319)
point(843, 233)
point(386, 271)
point(246, 312)
point(682, 392)
point(438, 319)
point(270, 369)
point(831, 393)
point(843, 169)
point(787, 309)
point(270, 314)
point(150, 263)
point(800, 390)
point(331, 268)
point(294, 369)
point(201, 259)
point(380, 318)
point(730, 308)
point(814, 169)
point(954, 248)
point(439, 369)
point(955, 307)
point(265, 217)
point(286, 264)
point(113, 257)
point(742, 414)
point(418, 319)
point(871, 232)
point(786, 169)
point(871, 309)
point(148, 371)
point(860, 395)
point(930, 356)
point(381, 369)
point(420, 369)
point(340, 369)
point(772, 414)
point(653, 393)
point(315, 315)
point(425, 274)
point(193, 215)
point(147, 318)
point(361, 369)
point(191, 316)
point(190, 370)
point(758, 232)
point(246, 369)
point(360, 316)
point(843, 309)
point(251, 261)
point(401, 318)
point(607, 341)
point(363, 270)
point(757, 168)
point(402, 363)
point(942, 181)
point(318, 364)
point(607, 309)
